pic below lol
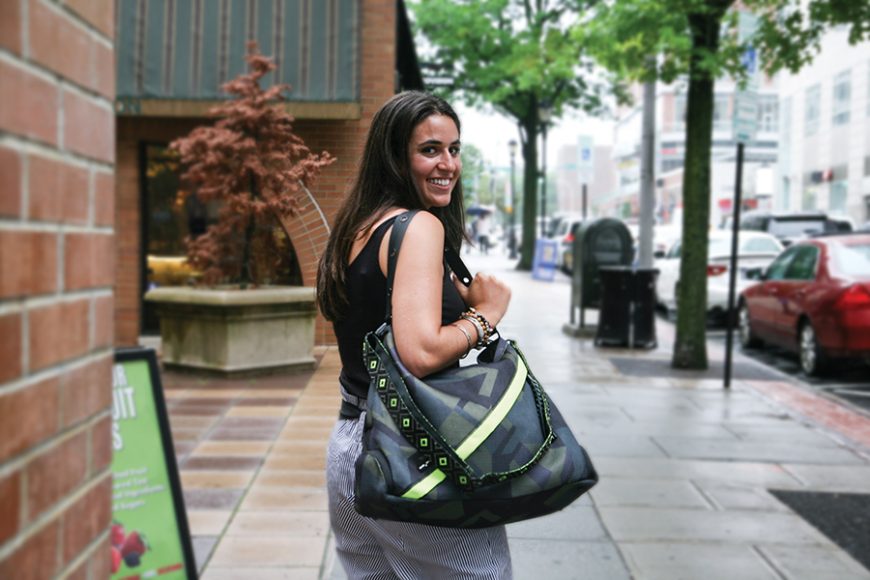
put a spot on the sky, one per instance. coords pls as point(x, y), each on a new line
point(491, 133)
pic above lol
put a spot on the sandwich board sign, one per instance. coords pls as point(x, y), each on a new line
point(150, 536)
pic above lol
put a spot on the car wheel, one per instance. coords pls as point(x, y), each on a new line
point(812, 360)
point(747, 337)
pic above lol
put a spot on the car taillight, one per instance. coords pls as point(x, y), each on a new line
point(716, 269)
point(855, 297)
point(568, 239)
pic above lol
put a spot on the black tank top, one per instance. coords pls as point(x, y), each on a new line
point(367, 294)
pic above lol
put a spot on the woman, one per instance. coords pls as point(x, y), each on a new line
point(411, 161)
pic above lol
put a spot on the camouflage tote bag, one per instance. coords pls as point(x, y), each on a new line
point(468, 447)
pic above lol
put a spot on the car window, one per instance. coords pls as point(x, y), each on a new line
point(760, 245)
point(675, 251)
point(852, 260)
point(777, 268)
point(803, 265)
point(795, 228)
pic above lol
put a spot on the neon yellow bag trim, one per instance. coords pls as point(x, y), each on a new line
point(476, 438)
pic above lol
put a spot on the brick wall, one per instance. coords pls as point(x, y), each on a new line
point(57, 157)
point(343, 139)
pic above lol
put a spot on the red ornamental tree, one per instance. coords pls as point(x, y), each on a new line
point(255, 166)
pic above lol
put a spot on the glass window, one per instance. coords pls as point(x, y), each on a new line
point(837, 201)
point(852, 259)
point(812, 109)
point(789, 228)
point(760, 246)
point(842, 96)
point(777, 268)
point(768, 113)
point(675, 251)
point(722, 113)
point(803, 265)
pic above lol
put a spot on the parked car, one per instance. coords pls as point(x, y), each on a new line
point(814, 299)
point(564, 234)
point(790, 227)
point(754, 250)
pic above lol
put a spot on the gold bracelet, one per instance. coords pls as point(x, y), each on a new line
point(487, 327)
point(467, 338)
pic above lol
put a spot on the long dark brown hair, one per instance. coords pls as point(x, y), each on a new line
point(382, 182)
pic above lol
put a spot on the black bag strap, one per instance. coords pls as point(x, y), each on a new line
point(400, 226)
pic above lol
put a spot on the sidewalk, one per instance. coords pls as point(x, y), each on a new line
point(685, 466)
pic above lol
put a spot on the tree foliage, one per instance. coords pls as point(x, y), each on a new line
point(697, 39)
point(253, 164)
point(514, 55)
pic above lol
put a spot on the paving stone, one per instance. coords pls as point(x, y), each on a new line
point(566, 560)
point(268, 550)
point(621, 446)
point(229, 463)
point(627, 524)
point(772, 452)
point(814, 563)
point(573, 523)
point(217, 499)
point(741, 497)
point(761, 474)
point(832, 478)
point(692, 561)
point(616, 492)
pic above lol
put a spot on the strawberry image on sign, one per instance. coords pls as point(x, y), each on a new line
point(116, 559)
point(117, 534)
point(133, 549)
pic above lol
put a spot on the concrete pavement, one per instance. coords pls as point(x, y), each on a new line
point(685, 466)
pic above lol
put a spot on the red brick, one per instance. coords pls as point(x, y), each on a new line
point(37, 558)
point(86, 391)
point(28, 261)
point(100, 13)
point(101, 445)
point(58, 191)
point(10, 25)
point(89, 129)
point(28, 416)
point(104, 70)
point(100, 560)
point(10, 181)
point(59, 44)
point(10, 347)
point(80, 573)
point(88, 261)
point(10, 502)
point(103, 322)
point(58, 332)
point(55, 473)
point(87, 518)
point(28, 104)
point(104, 199)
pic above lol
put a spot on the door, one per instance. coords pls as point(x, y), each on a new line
point(764, 301)
point(799, 276)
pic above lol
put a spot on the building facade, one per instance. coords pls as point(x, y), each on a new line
point(670, 140)
point(342, 59)
point(57, 233)
point(824, 149)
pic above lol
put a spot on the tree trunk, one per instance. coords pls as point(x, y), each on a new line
point(690, 348)
point(530, 193)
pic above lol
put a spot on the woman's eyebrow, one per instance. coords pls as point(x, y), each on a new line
point(436, 142)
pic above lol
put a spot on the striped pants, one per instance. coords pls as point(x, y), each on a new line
point(369, 548)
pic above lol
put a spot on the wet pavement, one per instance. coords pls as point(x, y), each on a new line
point(686, 467)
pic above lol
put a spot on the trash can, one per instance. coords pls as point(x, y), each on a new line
point(627, 314)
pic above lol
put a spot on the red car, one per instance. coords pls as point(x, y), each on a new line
point(813, 299)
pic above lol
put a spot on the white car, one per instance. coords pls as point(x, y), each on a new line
point(754, 250)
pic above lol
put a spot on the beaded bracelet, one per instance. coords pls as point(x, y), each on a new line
point(467, 338)
point(488, 329)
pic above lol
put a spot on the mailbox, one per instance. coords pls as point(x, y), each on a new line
point(597, 243)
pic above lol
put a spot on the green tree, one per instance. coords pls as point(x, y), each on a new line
point(473, 166)
point(697, 39)
point(515, 55)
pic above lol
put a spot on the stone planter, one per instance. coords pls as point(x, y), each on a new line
point(233, 332)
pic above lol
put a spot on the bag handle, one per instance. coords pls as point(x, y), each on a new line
point(400, 226)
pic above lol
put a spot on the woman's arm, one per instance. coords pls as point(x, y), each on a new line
point(423, 344)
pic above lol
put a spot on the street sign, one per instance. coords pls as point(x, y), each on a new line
point(585, 159)
point(746, 99)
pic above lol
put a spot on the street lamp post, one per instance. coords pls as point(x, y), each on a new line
point(544, 116)
point(512, 237)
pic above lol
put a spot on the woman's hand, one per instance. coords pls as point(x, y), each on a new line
point(487, 294)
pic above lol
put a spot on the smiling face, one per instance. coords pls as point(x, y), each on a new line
point(435, 160)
